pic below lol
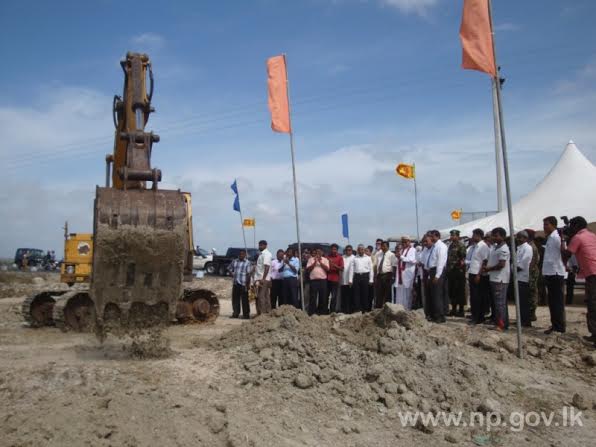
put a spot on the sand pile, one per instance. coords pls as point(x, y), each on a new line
point(386, 358)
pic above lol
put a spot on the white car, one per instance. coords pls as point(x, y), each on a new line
point(201, 259)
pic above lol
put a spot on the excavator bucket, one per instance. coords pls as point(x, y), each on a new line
point(141, 238)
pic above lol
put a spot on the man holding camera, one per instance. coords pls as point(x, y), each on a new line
point(581, 242)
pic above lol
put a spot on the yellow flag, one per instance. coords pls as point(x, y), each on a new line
point(248, 222)
point(456, 214)
point(405, 170)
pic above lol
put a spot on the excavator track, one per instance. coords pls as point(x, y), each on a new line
point(197, 306)
point(75, 311)
point(37, 309)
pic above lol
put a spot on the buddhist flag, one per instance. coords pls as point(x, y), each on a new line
point(476, 37)
point(456, 214)
point(278, 94)
point(249, 222)
point(405, 170)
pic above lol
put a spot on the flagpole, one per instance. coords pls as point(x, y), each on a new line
point(507, 189)
point(416, 202)
point(242, 221)
point(295, 185)
point(498, 160)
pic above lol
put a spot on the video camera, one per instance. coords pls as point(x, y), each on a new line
point(566, 230)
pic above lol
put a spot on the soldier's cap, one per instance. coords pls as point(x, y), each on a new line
point(454, 232)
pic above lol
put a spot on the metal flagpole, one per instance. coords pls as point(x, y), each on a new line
point(498, 161)
point(416, 202)
point(295, 186)
point(242, 222)
point(507, 191)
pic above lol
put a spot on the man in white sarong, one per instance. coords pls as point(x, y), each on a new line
point(404, 276)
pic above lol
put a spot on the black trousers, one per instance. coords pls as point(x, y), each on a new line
point(426, 303)
point(318, 297)
point(570, 286)
point(368, 305)
point(476, 305)
point(383, 289)
point(361, 300)
point(438, 298)
point(417, 301)
point(524, 303)
point(556, 301)
point(346, 299)
point(277, 299)
point(332, 291)
point(290, 291)
point(457, 288)
point(240, 296)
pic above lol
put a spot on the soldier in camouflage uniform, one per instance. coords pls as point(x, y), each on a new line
point(456, 274)
point(534, 275)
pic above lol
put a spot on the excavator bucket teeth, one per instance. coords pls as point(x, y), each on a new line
point(140, 239)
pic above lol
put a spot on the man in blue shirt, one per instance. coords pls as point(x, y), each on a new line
point(240, 270)
point(289, 271)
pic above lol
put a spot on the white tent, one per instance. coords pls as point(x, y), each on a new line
point(569, 189)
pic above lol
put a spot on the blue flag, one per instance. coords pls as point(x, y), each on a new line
point(344, 226)
point(234, 187)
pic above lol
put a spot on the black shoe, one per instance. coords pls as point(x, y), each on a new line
point(440, 320)
point(233, 316)
point(533, 317)
point(246, 317)
point(590, 338)
point(549, 331)
point(452, 313)
point(460, 314)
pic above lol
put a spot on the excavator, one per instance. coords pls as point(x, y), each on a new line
point(141, 272)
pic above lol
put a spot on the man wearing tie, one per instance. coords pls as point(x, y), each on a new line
point(386, 265)
point(436, 262)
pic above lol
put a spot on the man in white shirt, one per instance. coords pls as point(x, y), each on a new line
point(479, 283)
point(360, 278)
point(262, 279)
point(386, 265)
point(553, 271)
point(499, 273)
point(524, 258)
point(346, 290)
point(406, 270)
point(436, 263)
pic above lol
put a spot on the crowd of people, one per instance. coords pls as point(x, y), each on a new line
point(429, 274)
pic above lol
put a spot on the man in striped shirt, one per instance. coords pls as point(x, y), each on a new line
point(240, 270)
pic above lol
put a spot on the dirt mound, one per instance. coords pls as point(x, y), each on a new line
point(386, 362)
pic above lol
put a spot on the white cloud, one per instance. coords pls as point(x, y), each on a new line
point(420, 7)
point(148, 41)
point(64, 120)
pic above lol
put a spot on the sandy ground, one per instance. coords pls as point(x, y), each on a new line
point(286, 380)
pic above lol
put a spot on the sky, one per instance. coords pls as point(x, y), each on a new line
point(373, 83)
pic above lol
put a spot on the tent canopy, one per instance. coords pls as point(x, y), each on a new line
point(569, 189)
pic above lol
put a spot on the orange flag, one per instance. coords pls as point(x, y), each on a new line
point(278, 94)
point(476, 37)
point(456, 214)
point(406, 171)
